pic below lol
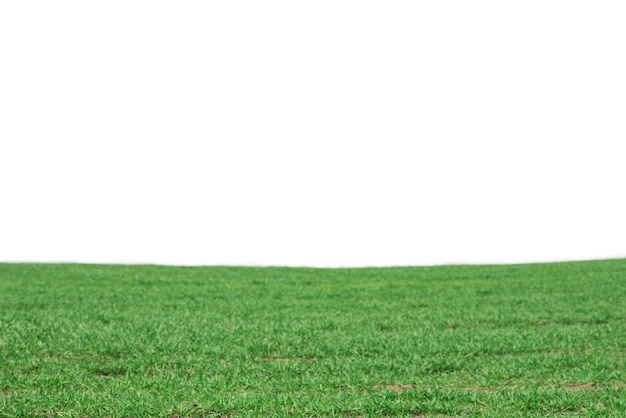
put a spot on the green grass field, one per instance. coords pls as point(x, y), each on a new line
point(153, 341)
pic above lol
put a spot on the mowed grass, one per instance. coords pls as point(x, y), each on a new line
point(154, 341)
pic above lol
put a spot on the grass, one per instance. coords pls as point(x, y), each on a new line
point(153, 341)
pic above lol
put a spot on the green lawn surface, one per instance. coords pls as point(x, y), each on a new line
point(79, 340)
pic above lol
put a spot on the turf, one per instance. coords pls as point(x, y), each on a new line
point(154, 341)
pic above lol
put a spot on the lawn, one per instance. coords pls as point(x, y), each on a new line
point(153, 341)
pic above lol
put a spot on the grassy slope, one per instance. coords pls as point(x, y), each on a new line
point(99, 340)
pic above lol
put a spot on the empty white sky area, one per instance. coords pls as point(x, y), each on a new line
point(312, 133)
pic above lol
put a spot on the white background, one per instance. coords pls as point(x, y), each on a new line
point(312, 133)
